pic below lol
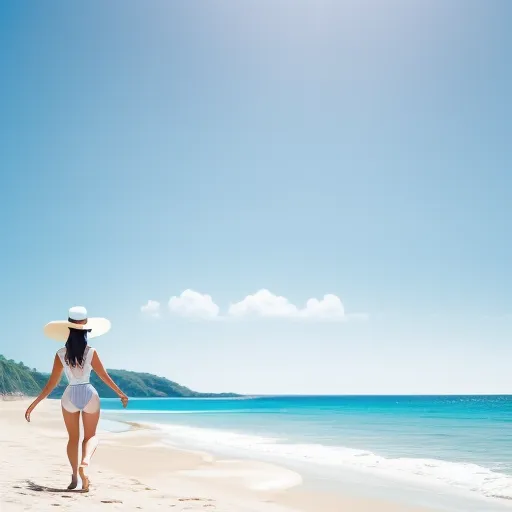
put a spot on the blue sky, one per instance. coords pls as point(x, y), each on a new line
point(358, 149)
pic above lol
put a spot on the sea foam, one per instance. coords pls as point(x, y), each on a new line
point(471, 478)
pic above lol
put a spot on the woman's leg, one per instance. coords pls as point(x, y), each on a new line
point(90, 443)
point(72, 421)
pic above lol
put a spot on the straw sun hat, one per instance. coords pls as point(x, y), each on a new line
point(59, 329)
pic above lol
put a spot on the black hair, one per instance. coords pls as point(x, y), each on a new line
point(75, 347)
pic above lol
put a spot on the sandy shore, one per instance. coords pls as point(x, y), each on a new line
point(134, 470)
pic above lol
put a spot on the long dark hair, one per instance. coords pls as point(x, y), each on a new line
point(75, 347)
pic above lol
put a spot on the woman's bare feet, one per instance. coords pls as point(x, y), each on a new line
point(84, 478)
point(74, 482)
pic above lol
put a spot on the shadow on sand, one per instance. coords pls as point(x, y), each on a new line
point(43, 488)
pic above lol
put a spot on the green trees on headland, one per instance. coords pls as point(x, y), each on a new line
point(18, 379)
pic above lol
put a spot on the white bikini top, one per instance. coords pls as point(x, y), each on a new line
point(78, 375)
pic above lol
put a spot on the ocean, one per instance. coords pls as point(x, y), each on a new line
point(452, 451)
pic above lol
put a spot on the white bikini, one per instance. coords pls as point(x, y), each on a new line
point(80, 395)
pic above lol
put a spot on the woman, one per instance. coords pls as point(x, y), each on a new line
point(77, 359)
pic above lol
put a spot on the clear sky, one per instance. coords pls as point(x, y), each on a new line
point(207, 151)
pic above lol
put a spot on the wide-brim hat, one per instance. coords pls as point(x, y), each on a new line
point(58, 330)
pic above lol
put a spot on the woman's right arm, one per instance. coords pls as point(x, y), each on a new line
point(50, 385)
point(97, 366)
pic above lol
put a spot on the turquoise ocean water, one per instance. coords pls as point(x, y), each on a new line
point(446, 444)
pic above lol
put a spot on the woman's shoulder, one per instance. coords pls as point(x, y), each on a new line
point(61, 351)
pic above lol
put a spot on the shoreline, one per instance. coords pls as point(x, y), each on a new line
point(135, 469)
point(435, 483)
point(336, 483)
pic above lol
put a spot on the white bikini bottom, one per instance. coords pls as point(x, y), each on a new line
point(81, 397)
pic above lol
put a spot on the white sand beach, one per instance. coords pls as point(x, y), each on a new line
point(134, 470)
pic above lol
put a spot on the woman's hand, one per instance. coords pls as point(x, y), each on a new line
point(29, 411)
point(124, 400)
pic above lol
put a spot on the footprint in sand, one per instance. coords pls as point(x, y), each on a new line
point(194, 499)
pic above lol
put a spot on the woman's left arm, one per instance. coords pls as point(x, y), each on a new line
point(50, 385)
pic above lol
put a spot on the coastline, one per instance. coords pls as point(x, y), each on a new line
point(135, 470)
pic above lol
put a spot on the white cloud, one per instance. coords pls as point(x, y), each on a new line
point(265, 304)
point(194, 304)
point(262, 304)
point(152, 308)
point(330, 307)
